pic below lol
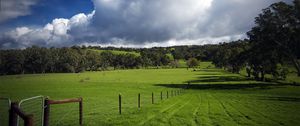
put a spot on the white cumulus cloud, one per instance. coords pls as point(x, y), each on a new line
point(55, 33)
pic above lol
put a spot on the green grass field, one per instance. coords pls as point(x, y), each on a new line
point(117, 52)
point(215, 97)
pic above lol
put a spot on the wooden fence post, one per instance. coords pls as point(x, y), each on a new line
point(167, 94)
point(139, 100)
point(120, 106)
point(81, 111)
point(13, 117)
point(152, 98)
point(46, 112)
point(14, 112)
point(28, 120)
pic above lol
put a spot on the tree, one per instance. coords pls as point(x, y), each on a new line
point(277, 30)
point(174, 64)
point(106, 59)
point(145, 61)
point(2, 62)
point(53, 64)
point(36, 59)
point(12, 62)
point(192, 63)
point(230, 56)
point(70, 61)
point(93, 60)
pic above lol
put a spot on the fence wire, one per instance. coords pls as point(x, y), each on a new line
point(4, 111)
point(64, 114)
point(34, 106)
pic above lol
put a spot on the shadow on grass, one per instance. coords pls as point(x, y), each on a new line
point(202, 83)
point(218, 79)
point(287, 99)
point(221, 86)
point(216, 82)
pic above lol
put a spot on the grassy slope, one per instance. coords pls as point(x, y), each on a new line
point(231, 100)
point(124, 52)
point(117, 52)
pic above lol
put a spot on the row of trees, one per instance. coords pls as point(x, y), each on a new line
point(75, 59)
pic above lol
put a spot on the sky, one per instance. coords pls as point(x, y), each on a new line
point(125, 23)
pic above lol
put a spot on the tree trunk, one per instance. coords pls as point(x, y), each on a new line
point(248, 70)
point(295, 61)
point(262, 75)
point(256, 75)
point(297, 66)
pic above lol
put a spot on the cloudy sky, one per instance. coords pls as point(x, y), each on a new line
point(127, 23)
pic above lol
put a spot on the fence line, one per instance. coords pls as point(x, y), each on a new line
point(152, 98)
point(17, 109)
point(173, 93)
point(120, 104)
point(139, 100)
point(48, 103)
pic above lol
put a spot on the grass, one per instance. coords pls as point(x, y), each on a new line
point(170, 56)
point(117, 52)
point(215, 97)
point(182, 63)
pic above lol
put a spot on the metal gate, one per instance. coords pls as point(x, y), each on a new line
point(34, 106)
point(4, 111)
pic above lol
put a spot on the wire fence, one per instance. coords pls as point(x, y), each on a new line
point(34, 106)
point(129, 103)
point(64, 115)
point(68, 112)
point(4, 111)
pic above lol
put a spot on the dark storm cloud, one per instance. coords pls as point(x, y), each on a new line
point(229, 17)
point(14, 8)
point(157, 20)
point(146, 23)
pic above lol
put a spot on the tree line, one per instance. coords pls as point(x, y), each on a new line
point(73, 59)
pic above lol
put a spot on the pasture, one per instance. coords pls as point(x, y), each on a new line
point(117, 52)
point(215, 97)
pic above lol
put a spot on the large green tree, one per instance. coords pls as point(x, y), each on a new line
point(12, 62)
point(192, 63)
point(277, 32)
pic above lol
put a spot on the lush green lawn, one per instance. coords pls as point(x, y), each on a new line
point(214, 97)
